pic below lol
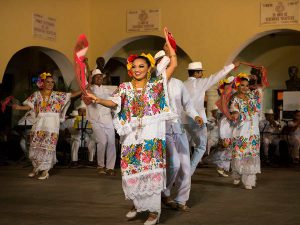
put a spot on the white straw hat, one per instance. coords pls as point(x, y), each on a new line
point(230, 79)
point(98, 72)
point(159, 54)
point(269, 111)
point(195, 66)
point(74, 113)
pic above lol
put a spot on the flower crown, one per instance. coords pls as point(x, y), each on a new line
point(132, 57)
point(239, 77)
point(42, 78)
point(222, 83)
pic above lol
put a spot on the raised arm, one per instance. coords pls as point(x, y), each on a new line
point(172, 55)
point(215, 78)
point(104, 102)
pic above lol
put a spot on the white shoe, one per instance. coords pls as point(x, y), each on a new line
point(236, 182)
point(131, 214)
point(248, 187)
point(44, 175)
point(220, 172)
point(33, 173)
point(152, 220)
point(225, 175)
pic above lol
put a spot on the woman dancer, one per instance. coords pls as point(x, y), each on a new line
point(245, 107)
point(49, 107)
point(221, 157)
point(142, 107)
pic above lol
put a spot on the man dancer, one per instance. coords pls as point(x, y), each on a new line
point(102, 125)
point(197, 86)
point(178, 156)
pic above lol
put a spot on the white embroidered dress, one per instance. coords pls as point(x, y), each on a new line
point(143, 152)
point(44, 133)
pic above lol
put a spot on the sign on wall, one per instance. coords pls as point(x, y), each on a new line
point(279, 12)
point(44, 27)
point(143, 20)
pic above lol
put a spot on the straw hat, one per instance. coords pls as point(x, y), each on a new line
point(269, 111)
point(98, 72)
point(195, 66)
point(74, 113)
point(159, 55)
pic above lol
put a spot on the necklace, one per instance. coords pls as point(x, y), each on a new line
point(46, 98)
point(138, 100)
point(246, 99)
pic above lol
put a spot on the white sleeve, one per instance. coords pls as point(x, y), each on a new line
point(208, 82)
point(162, 65)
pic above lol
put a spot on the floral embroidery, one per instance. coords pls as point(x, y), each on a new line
point(42, 139)
point(154, 100)
point(247, 145)
point(148, 155)
point(55, 103)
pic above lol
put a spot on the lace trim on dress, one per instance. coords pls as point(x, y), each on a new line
point(144, 184)
point(148, 203)
point(247, 165)
point(42, 159)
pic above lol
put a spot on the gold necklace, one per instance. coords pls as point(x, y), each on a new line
point(141, 106)
point(46, 98)
point(246, 99)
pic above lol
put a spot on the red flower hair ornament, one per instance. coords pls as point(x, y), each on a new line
point(132, 57)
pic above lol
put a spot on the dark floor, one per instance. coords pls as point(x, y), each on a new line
point(80, 196)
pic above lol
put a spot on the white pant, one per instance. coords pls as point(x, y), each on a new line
point(178, 167)
point(198, 135)
point(105, 141)
point(75, 144)
point(270, 139)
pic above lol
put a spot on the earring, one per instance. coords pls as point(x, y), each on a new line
point(148, 75)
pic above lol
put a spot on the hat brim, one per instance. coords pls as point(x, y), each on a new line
point(195, 69)
point(104, 75)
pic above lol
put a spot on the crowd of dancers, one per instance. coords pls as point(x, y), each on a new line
point(158, 118)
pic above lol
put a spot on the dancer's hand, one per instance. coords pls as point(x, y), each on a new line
point(15, 106)
point(236, 64)
point(199, 120)
point(91, 96)
point(172, 55)
point(168, 47)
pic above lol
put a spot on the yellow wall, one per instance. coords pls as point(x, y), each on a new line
point(209, 31)
point(16, 25)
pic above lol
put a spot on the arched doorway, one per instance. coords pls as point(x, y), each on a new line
point(116, 56)
point(276, 50)
point(23, 69)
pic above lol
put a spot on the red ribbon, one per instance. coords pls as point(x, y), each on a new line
point(264, 72)
point(80, 50)
point(6, 102)
point(222, 103)
point(172, 41)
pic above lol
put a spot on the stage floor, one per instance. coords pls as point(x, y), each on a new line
point(81, 197)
